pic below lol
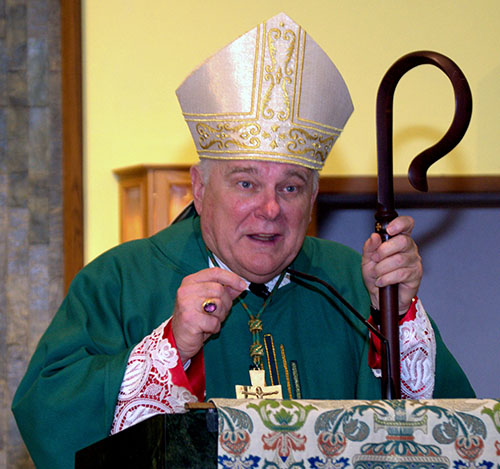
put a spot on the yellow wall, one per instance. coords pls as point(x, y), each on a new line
point(136, 53)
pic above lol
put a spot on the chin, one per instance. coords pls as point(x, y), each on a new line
point(260, 275)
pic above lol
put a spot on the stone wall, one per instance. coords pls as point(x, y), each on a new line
point(31, 260)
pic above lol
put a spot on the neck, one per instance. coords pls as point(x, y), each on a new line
point(268, 281)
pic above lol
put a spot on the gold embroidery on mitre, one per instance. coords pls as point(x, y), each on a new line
point(265, 119)
point(279, 72)
point(225, 134)
point(316, 145)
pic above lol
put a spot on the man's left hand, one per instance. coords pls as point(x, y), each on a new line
point(395, 261)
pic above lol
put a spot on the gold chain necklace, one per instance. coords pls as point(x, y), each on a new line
point(254, 321)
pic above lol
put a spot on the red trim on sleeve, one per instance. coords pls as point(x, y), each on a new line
point(374, 353)
point(193, 379)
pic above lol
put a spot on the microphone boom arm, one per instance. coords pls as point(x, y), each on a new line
point(385, 348)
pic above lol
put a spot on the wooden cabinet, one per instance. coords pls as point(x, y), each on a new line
point(150, 197)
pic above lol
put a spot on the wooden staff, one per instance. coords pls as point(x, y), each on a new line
point(417, 174)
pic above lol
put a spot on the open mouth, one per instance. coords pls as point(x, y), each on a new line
point(265, 238)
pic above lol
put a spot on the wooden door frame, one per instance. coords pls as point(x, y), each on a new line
point(72, 137)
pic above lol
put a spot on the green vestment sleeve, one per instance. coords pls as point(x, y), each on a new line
point(68, 395)
point(67, 398)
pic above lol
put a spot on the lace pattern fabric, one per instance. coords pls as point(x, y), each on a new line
point(417, 349)
point(418, 356)
point(148, 387)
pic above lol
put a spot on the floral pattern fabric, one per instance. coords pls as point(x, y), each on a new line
point(151, 384)
point(402, 434)
point(417, 345)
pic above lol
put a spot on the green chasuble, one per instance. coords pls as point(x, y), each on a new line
point(67, 399)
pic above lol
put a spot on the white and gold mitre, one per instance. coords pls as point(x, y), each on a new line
point(272, 94)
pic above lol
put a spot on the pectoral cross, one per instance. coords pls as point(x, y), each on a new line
point(258, 389)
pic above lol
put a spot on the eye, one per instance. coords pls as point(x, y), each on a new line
point(245, 184)
point(290, 189)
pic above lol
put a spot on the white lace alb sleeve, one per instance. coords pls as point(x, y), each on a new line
point(417, 346)
point(418, 356)
point(148, 386)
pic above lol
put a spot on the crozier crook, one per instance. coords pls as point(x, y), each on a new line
point(417, 174)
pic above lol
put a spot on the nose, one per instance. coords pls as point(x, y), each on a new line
point(268, 206)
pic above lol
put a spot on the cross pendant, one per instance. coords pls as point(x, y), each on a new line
point(258, 389)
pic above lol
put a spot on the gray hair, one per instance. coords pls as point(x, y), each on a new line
point(205, 165)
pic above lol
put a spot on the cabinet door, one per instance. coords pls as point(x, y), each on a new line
point(171, 193)
point(150, 198)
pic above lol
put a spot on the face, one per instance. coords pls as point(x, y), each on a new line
point(254, 214)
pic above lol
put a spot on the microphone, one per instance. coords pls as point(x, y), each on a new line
point(259, 289)
point(388, 385)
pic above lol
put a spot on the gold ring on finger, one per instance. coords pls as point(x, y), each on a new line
point(209, 306)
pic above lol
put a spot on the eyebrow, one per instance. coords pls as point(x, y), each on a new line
point(299, 174)
point(251, 170)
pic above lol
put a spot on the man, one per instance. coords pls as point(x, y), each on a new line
point(156, 323)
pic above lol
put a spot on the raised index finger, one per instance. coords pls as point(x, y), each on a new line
point(216, 274)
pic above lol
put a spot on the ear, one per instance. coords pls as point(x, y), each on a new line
point(198, 187)
point(314, 194)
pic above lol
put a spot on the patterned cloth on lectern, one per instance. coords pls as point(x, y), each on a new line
point(398, 434)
